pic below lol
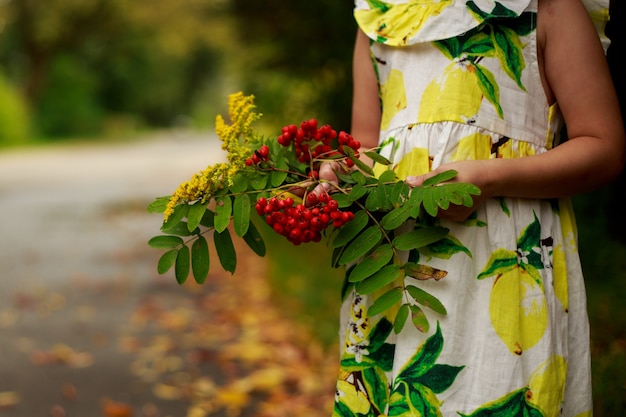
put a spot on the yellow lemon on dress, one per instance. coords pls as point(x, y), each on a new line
point(473, 147)
point(414, 162)
point(393, 95)
point(547, 386)
point(354, 398)
point(518, 310)
point(559, 272)
point(400, 22)
point(454, 95)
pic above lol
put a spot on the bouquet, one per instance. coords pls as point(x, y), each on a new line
point(269, 180)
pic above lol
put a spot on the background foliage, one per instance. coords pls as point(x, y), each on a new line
point(110, 68)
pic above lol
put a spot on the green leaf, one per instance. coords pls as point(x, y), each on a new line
point(165, 242)
point(385, 276)
point(194, 216)
point(445, 248)
point(241, 214)
point(208, 219)
point(388, 176)
point(362, 244)
point(372, 202)
point(357, 162)
point(441, 197)
point(372, 263)
point(259, 182)
point(429, 202)
point(426, 299)
point(166, 261)
point(351, 229)
point(181, 270)
point(357, 192)
point(278, 177)
point(399, 193)
point(419, 319)
point(383, 191)
point(420, 237)
point(358, 177)
point(158, 205)
point(342, 200)
point(401, 316)
point(385, 301)
point(223, 211)
point(225, 250)
point(180, 212)
point(441, 177)
point(396, 217)
point(240, 183)
point(254, 240)
point(345, 178)
point(415, 201)
point(181, 229)
point(376, 157)
point(200, 261)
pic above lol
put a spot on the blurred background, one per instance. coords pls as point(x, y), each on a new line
point(106, 104)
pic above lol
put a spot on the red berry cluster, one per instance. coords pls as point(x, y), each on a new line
point(312, 142)
point(299, 223)
point(260, 155)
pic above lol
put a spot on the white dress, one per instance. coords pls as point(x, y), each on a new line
point(460, 80)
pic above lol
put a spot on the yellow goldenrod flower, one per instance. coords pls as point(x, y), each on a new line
point(236, 138)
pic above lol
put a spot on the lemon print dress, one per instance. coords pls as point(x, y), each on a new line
point(460, 80)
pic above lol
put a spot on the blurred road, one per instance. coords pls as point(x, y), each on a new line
point(74, 264)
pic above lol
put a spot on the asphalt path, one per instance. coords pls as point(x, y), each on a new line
point(74, 262)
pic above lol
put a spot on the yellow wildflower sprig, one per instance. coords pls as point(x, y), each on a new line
point(361, 219)
point(236, 139)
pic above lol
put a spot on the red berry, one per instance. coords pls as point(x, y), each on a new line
point(332, 205)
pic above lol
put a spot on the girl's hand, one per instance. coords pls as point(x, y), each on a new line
point(328, 178)
point(472, 172)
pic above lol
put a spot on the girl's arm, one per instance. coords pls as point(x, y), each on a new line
point(366, 112)
point(576, 75)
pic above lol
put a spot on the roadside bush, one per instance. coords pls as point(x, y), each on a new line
point(14, 116)
point(68, 105)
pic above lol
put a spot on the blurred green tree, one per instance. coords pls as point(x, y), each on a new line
point(148, 59)
point(297, 58)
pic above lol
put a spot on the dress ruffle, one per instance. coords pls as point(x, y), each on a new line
point(408, 22)
point(402, 22)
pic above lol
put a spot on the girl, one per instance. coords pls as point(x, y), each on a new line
point(484, 87)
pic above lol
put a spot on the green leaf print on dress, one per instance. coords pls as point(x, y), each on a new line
point(497, 38)
point(362, 390)
point(517, 304)
point(541, 397)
